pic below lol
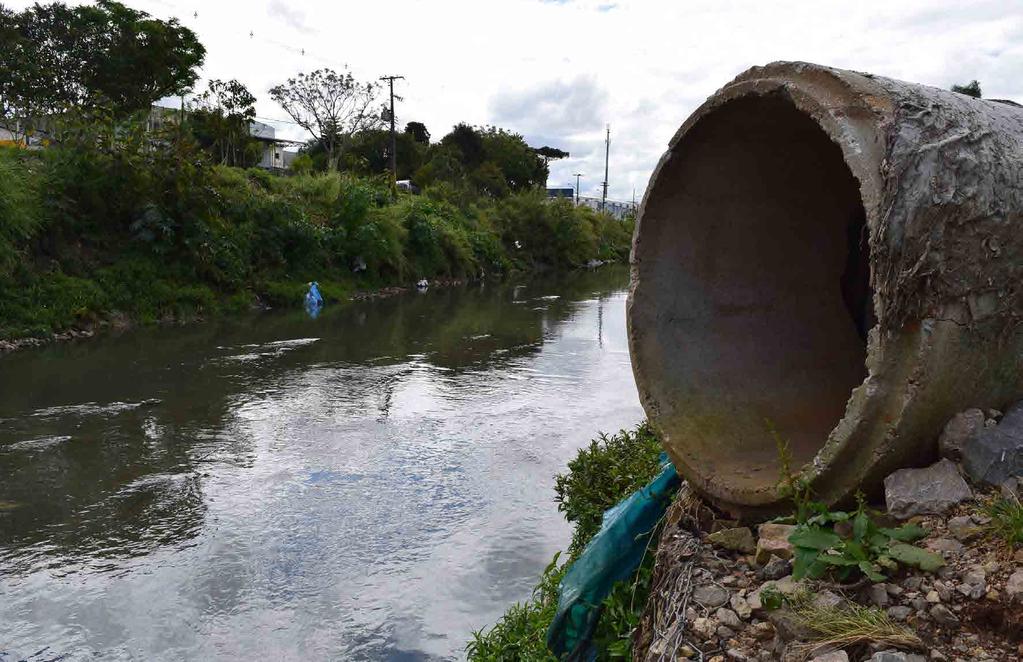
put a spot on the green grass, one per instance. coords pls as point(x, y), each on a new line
point(1006, 520)
point(602, 474)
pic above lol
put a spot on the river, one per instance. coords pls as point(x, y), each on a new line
point(373, 484)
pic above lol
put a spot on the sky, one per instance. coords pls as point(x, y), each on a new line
point(559, 71)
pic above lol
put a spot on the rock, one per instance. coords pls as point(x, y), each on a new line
point(729, 618)
point(963, 528)
point(736, 654)
point(931, 490)
point(945, 545)
point(774, 539)
point(704, 627)
point(737, 540)
point(762, 631)
point(740, 606)
point(878, 594)
point(1018, 556)
point(710, 595)
point(996, 453)
point(896, 656)
point(933, 597)
point(942, 615)
point(776, 568)
point(788, 626)
point(899, 613)
point(959, 432)
point(833, 656)
point(913, 582)
point(724, 632)
point(1010, 489)
point(1014, 587)
point(974, 583)
point(826, 599)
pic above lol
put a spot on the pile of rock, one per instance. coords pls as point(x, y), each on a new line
point(712, 574)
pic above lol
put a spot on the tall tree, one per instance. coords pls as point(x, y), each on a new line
point(551, 154)
point(221, 117)
point(418, 132)
point(331, 106)
point(56, 58)
point(971, 89)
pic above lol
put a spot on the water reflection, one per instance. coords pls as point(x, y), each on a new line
point(370, 484)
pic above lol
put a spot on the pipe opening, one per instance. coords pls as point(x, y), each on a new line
point(753, 298)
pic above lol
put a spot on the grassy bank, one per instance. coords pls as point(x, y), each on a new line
point(125, 226)
point(604, 473)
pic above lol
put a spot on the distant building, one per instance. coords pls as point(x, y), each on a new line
point(273, 156)
point(614, 208)
point(561, 192)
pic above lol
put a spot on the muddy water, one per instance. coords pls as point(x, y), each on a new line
point(373, 484)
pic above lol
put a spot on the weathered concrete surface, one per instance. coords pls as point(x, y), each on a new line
point(835, 256)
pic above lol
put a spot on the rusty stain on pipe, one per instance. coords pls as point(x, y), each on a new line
point(838, 256)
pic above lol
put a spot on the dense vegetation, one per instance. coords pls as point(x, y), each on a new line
point(111, 218)
point(604, 473)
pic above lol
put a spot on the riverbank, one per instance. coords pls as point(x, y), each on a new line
point(145, 233)
point(602, 474)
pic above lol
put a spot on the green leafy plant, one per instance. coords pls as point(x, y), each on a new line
point(847, 544)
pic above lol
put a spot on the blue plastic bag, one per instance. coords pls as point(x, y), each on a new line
point(313, 300)
point(611, 556)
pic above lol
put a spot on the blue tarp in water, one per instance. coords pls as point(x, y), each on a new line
point(611, 556)
point(313, 300)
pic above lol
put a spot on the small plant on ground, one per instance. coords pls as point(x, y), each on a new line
point(1006, 520)
point(843, 544)
point(848, 544)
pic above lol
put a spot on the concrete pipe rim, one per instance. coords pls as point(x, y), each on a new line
point(834, 105)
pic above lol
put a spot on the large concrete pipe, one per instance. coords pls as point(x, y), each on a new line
point(835, 256)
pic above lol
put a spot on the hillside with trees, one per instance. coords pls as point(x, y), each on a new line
point(110, 216)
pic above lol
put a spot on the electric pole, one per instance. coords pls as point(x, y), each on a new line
point(607, 155)
point(577, 176)
point(394, 142)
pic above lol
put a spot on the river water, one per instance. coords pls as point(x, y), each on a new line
point(373, 484)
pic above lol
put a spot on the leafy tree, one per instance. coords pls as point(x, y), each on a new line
point(368, 152)
point(331, 106)
point(469, 143)
point(56, 58)
point(418, 132)
point(523, 168)
point(971, 89)
point(220, 120)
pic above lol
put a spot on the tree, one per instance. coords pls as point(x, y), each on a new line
point(220, 120)
point(469, 142)
point(56, 58)
point(971, 89)
point(551, 154)
point(331, 106)
point(418, 132)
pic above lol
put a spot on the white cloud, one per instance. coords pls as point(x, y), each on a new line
point(558, 70)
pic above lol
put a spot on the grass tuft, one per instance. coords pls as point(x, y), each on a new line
point(1006, 520)
point(848, 625)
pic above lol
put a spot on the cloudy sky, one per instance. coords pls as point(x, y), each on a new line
point(557, 71)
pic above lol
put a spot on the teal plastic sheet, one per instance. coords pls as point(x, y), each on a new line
point(611, 556)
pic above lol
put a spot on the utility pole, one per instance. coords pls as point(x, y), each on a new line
point(577, 176)
point(394, 141)
point(607, 155)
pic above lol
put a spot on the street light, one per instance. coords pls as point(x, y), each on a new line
point(577, 176)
